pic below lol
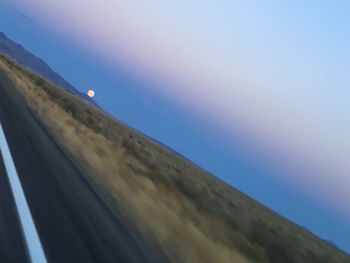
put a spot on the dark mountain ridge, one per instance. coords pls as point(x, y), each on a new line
point(22, 56)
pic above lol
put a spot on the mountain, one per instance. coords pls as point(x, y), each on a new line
point(184, 211)
point(22, 56)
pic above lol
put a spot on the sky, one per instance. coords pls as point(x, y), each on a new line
point(256, 92)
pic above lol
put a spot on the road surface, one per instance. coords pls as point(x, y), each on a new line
point(74, 220)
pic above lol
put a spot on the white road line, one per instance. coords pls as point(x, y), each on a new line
point(35, 249)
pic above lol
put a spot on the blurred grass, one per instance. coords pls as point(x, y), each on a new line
point(189, 214)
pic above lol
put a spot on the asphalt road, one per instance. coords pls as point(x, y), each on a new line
point(75, 220)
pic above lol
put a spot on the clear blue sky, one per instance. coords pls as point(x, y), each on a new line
point(254, 91)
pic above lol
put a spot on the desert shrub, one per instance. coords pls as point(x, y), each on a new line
point(40, 82)
point(276, 247)
point(239, 222)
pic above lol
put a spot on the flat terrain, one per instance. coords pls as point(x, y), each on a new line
point(74, 219)
point(188, 214)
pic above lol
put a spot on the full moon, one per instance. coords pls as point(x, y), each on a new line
point(91, 93)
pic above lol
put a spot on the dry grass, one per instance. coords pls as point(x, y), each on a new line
point(159, 214)
point(191, 215)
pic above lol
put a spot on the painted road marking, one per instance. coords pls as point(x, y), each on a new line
point(35, 249)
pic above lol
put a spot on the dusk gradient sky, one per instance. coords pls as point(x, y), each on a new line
point(257, 92)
